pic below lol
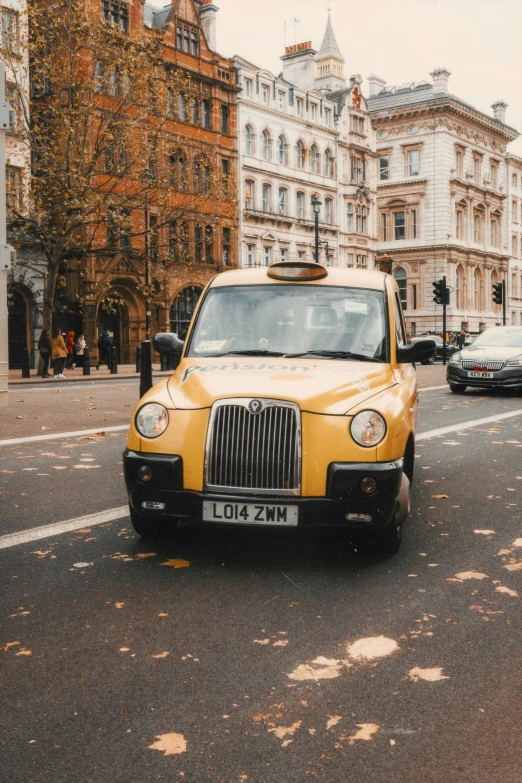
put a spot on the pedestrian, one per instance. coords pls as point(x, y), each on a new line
point(58, 352)
point(460, 339)
point(44, 346)
point(104, 349)
point(79, 348)
point(69, 344)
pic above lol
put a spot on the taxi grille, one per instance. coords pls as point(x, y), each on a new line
point(254, 451)
point(492, 366)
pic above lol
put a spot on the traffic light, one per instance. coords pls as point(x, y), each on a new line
point(497, 293)
point(438, 291)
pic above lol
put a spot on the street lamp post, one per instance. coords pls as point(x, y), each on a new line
point(316, 206)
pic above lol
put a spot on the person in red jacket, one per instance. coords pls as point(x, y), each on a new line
point(70, 350)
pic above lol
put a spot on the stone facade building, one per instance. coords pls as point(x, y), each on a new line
point(514, 212)
point(441, 196)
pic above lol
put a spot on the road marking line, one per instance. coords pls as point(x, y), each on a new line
point(77, 434)
point(56, 529)
point(434, 388)
point(467, 425)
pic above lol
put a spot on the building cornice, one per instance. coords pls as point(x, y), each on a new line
point(425, 249)
point(283, 116)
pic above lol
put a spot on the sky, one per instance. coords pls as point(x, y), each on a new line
point(479, 41)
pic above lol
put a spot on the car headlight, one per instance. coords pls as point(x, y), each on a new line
point(456, 358)
point(152, 420)
point(516, 361)
point(368, 428)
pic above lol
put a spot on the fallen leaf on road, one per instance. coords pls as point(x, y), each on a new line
point(170, 744)
point(507, 591)
point(440, 496)
point(280, 643)
point(142, 555)
point(484, 532)
point(176, 563)
point(119, 605)
point(283, 731)
point(514, 567)
point(333, 720)
point(82, 565)
point(320, 669)
point(21, 417)
point(163, 614)
point(124, 649)
point(45, 428)
point(517, 542)
point(464, 575)
point(366, 732)
point(430, 675)
point(10, 644)
point(372, 647)
point(161, 655)
point(24, 652)
point(261, 641)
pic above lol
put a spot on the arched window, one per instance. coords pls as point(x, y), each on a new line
point(207, 115)
point(194, 111)
point(400, 276)
point(182, 107)
point(265, 145)
point(300, 155)
point(182, 309)
point(282, 199)
point(249, 194)
point(249, 145)
point(184, 243)
point(281, 150)
point(459, 299)
point(300, 206)
point(315, 160)
point(209, 244)
point(201, 171)
point(198, 243)
point(477, 286)
point(177, 170)
point(328, 164)
point(349, 218)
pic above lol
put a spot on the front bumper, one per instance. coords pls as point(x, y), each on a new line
point(343, 497)
point(505, 378)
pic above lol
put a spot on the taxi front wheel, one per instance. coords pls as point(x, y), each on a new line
point(150, 527)
point(388, 541)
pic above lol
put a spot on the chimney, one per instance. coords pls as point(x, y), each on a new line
point(499, 110)
point(299, 65)
point(208, 13)
point(375, 84)
point(440, 78)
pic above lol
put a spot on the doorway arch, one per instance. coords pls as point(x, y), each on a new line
point(122, 312)
point(17, 328)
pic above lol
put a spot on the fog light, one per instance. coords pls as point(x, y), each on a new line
point(358, 517)
point(152, 505)
point(145, 473)
point(368, 485)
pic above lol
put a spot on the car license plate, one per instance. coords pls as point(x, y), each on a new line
point(249, 513)
point(480, 375)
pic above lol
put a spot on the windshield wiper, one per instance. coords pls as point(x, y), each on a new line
point(253, 352)
point(334, 355)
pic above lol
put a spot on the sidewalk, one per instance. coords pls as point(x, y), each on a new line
point(125, 372)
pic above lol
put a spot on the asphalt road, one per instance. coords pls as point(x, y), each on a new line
point(266, 656)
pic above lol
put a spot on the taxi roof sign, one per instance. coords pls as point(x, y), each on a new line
point(297, 271)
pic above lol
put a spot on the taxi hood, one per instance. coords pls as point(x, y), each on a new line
point(324, 386)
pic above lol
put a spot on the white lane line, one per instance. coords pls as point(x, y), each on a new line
point(57, 435)
point(434, 388)
point(56, 529)
point(467, 425)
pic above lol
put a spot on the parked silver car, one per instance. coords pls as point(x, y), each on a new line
point(494, 359)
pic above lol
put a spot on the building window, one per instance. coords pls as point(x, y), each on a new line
point(281, 147)
point(349, 218)
point(250, 255)
point(300, 202)
point(198, 244)
point(313, 111)
point(173, 241)
point(413, 163)
point(225, 175)
point(327, 115)
point(115, 14)
point(281, 97)
point(207, 115)
point(349, 259)
point(182, 107)
point(478, 226)
point(414, 296)
point(399, 225)
point(225, 114)
point(494, 175)
point(384, 167)
point(248, 140)
point(328, 164)
point(360, 219)
point(283, 254)
point(282, 201)
point(356, 169)
point(153, 234)
point(361, 262)
point(458, 224)
point(267, 255)
point(209, 244)
point(514, 285)
point(301, 255)
point(265, 94)
point(384, 226)
point(266, 198)
point(248, 88)
point(194, 44)
point(11, 97)
point(514, 210)
point(299, 107)
point(459, 159)
point(400, 277)
point(514, 181)
point(265, 143)
point(477, 162)
point(414, 224)
point(459, 290)
point(177, 171)
point(328, 211)
point(184, 242)
point(179, 37)
point(13, 184)
point(226, 247)
point(249, 194)
point(493, 232)
point(514, 246)
point(300, 155)
point(315, 160)
point(182, 309)
point(476, 290)
point(186, 40)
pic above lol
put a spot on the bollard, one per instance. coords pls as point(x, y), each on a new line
point(26, 370)
point(114, 360)
point(163, 362)
point(138, 359)
point(86, 361)
point(146, 367)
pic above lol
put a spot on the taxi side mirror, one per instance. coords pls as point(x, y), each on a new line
point(416, 352)
point(168, 344)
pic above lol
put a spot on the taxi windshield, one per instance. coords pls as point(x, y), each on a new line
point(324, 321)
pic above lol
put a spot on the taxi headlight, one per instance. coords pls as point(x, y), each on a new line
point(456, 358)
point(152, 420)
point(368, 428)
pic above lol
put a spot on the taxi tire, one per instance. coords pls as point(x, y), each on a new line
point(388, 541)
point(151, 527)
point(457, 389)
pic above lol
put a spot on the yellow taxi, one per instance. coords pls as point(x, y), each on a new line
point(293, 404)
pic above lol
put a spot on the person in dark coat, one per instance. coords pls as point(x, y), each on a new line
point(460, 339)
point(104, 349)
point(44, 346)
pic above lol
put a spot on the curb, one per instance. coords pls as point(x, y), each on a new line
point(84, 379)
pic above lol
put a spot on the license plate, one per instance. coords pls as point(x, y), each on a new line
point(249, 513)
point(480, 375)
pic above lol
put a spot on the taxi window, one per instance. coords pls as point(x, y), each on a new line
point(400, 333)
point(290, 319)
